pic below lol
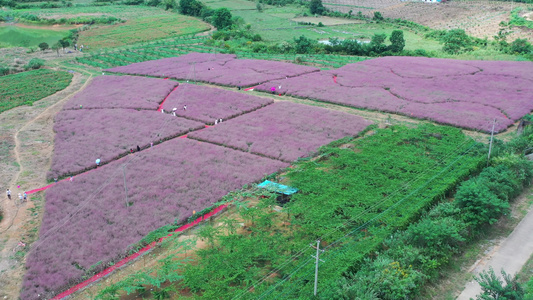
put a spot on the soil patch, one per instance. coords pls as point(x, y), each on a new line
point(327, 21)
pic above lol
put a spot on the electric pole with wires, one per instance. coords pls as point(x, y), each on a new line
point(318, 251)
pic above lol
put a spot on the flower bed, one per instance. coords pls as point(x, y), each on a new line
point(206, 104)
point(122, 92)
point(86, 221)
point(222, 69)
point(82, 136)
point(284, 130)
point(468, 94)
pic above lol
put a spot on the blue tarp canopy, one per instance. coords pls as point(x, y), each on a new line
point(278, 188)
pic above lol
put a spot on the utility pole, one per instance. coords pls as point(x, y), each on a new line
point(125, 187)
point(318, 251)
point(491, 138)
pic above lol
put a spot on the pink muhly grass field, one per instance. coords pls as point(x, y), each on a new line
point(87, 220)
point(207, 104)
point(284, 130)
point(468, 94)
point(82, 136)
point(122, 92)
point(222, 69)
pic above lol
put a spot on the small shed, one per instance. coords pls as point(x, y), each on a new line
point(284, 192)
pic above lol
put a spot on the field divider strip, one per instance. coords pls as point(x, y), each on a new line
point(134, 256)
point(161, 105)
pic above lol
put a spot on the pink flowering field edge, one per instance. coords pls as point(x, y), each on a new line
point(283, 130)
point(87, 220)
point(467, 94)
point(207, 104)
point(122, 92)
point(82, 136)
point(220, 69)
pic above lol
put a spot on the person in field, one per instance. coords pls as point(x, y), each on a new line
point(8, 194)
point(184, 107)
point(131, 150)
point(138, 148)
point(25, 196)
point(20, 197)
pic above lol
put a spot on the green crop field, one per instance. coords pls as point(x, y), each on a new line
point(27, 87)
point(16, 36)
point(125, 12)
point(141, 30)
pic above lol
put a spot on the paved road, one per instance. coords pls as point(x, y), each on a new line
point(511, 254)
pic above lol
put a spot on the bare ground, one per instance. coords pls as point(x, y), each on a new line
point(28, 137)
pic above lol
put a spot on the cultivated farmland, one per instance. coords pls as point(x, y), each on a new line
point(283, 131)
point(28, 87)
point(141, 30)
point(165, 184)
point(207, 104)
point(122, 92)
point(221, 69)
point(468, 94)
point(82, 136)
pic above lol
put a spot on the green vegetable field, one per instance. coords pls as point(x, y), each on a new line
point(27, 87)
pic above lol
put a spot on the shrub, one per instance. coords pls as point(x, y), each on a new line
point(34, 63)
point(479, 204)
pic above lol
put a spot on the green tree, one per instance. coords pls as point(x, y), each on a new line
point(377, 43)
point(191, 7)
point(456, 41)
point(479, 204)
point(222, 18)
point(316, 7)
point(169, 4)
point(34, 63)
point(397, 41)
point(303, 45)
point(494, 288)
point(64, 43)
point(56, 47)
point(43, 46)
point(377, 16)
point(521, 46)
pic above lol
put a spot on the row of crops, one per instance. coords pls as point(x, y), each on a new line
point(183, 45)
point(352, 197)
point(27, 87)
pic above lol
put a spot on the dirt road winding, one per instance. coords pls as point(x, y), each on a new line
point(28, 145)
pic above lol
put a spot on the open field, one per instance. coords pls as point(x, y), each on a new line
point(478, 18)
point(142, 29)
point(125, 12)
point(281, 24)
point(18, 36)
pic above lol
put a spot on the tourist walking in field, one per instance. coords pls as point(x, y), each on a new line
point(25, 196)
point(184, 107)
point(20, 197)
point(98, 162)
point(138, 148)
point(8, 194)
point(131, 150)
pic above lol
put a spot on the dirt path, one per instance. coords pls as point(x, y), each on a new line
point(510, 254)
point(32, 138)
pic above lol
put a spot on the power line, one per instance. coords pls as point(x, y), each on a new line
point(361, 214)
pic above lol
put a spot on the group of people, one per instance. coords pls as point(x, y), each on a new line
point(22, 197)
point(175, 109)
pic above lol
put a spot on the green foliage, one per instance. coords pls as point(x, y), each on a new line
point(316, 7)
point(34, 64)
point(191, 7)
point(521, 46)
point(456, 41)
point(43, 46)
point(27, 87)
point(397, 41)
point(304, 45)
point(518, 20)
point(221, 18)
point(479, 204)
point(377, 16)
point(493, 288)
